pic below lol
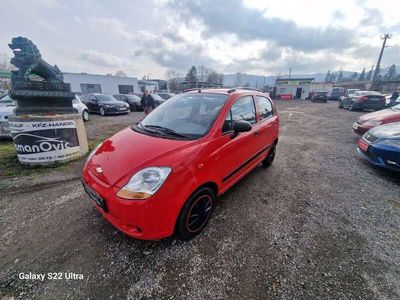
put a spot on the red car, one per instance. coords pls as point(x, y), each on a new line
point(163, 175)
point(368, 121)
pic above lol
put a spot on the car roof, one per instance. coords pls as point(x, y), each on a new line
point(225, 91)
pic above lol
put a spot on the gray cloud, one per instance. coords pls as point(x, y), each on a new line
point(103, 59)
point(231, 16)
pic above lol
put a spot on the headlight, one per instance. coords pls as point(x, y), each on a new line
point(144, 183)
point(391, 143)
point(373, 123)
point(93, 152)
point(109, 105)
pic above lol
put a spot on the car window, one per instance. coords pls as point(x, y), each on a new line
point(227, 127)
point(191, 114)
point(265, 107)
point(243, 109)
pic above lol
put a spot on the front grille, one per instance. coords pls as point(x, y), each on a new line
point(369, 137)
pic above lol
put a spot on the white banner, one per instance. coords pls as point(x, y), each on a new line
point(47, 141)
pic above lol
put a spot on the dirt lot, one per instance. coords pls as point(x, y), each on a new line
point(320, 223)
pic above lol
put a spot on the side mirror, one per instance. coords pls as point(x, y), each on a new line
point(240, 126)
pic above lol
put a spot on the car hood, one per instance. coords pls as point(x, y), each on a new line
point(127, 152)
point(388, 131)
point(382, 115)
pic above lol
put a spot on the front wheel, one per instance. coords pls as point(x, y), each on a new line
point(270, 157)
point(340, 104)
point(85, 115)
point(195, 214)
point(102, 111)
point(351, 107)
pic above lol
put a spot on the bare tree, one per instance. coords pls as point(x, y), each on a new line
point(120, 73)
point(172, 77)
point(5, 64)
point(215, 77)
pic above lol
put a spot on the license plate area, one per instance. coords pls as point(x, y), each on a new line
point(94, 196)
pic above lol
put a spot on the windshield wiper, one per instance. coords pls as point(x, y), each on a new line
point(168, 131)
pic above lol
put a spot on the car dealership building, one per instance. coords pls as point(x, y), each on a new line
point(82, 83)
point(293, 88)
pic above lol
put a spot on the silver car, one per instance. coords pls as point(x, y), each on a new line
point(7, 106)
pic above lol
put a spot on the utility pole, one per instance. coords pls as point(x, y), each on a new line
point(290, 72)
point(378, 64)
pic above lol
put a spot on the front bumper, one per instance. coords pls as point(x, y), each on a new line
point(383, 157)
point(116, 111)
point(359, 128)
point(5, 131)
point(150, 219)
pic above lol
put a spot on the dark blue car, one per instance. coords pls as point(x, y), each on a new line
point(381, 146)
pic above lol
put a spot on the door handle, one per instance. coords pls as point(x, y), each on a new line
point(256, 132)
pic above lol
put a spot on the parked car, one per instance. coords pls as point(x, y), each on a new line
point(6, 101)
point(320, 96)
point(336, 93)
point(104, 104)
point(166, 96)
point(368, 121)
point(360, 100)
point(157, 99)
point(131, 99)
point(347, 96)
point(7, 106)
point(381, 146)
point(81, 107)
point(163, 174)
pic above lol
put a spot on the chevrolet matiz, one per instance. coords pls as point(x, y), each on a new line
point(162, 175)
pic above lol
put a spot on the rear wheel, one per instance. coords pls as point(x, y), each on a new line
point(102, 111)
point(195, 214)
point(351, 107)
point(270, 157)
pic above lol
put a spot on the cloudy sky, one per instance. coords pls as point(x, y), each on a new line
point(144, 37)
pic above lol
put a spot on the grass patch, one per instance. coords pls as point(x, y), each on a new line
point(10, 166)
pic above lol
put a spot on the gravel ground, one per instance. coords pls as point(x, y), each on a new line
point(320, 223)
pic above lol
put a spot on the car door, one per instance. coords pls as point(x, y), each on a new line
point(266, 129)
point(236, 152)
point(94, 103)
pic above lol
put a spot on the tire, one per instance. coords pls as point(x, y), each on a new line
point(267, 162)
point(85, 115)
point(195, 214)
point(102, 111)
point(340, 104)
point(351, 107)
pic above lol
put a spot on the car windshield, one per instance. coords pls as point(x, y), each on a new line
point(190, 115)
point(105, 97)
point(321, 93)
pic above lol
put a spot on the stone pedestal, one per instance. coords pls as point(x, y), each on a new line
point(45, 140)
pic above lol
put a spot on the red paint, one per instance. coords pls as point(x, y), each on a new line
point(193, 163)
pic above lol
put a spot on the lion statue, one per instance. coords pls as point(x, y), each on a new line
point(28, 60)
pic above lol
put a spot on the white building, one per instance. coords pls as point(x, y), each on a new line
point(293, 88)
point(83, 83)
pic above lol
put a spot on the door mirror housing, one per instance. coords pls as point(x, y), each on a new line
point(240, 126)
